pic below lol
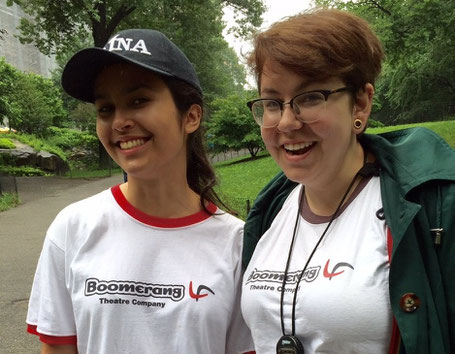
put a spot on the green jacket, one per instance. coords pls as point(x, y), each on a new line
point(417, 174)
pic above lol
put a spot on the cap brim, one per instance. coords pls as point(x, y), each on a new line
point(80, 73)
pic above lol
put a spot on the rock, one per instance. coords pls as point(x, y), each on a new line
point(26, 156)
point(51, 162)
point(20, 157)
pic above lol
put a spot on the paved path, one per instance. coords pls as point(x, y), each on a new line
point(22, 231)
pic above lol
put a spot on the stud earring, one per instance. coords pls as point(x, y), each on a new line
point(358, 124)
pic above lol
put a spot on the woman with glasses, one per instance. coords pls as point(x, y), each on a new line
point(351, 248)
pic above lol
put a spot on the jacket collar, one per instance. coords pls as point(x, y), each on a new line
point(412, 156)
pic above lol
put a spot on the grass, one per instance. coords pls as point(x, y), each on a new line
point(243, 178)
point(445, 129)
point(93, 173)
point(36, 143)
point(8, 201)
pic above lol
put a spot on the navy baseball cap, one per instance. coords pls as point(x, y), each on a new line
point(149, 49)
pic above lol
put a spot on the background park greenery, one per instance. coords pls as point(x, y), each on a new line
point(417, 85)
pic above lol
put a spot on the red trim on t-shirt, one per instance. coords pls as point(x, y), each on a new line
point(389, 244)
point(395, 339)
point(52, 340)
point(160, 222)
point(394, 346)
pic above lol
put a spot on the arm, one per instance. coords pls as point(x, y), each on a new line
point(58, 349)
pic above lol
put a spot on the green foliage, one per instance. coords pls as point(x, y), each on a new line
point(9, 76)
point(67, 139)
point(94, 173)
point(242, 180)
point(374, 123)
point(231, 126)
point(196, 27)
point(418, 80)
point(445, 129)
point(8, 201)
point(65, 22)
point(21, 171)
point(37, 143)
point(6, 143)
point(81, 148)
point(31, 102)
point(83, 116)
point(78, 148)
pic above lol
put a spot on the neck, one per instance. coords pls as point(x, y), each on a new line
point(162, 199)
point(324, 199)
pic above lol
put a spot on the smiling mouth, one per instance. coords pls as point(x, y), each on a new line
point(298, 149)
point(126, 145)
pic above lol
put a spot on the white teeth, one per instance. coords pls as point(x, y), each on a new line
point(293, 147)
point(125, 145)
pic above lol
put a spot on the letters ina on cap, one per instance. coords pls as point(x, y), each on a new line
point(149, 49)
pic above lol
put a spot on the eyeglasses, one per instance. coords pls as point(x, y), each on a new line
point(267, 112)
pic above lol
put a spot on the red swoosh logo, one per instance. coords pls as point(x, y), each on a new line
point(327, 274)
point(193, 295)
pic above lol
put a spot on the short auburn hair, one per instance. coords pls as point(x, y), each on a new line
point(319, 45)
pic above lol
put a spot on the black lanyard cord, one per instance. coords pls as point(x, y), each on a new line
point(288, 262)
point(294, 301)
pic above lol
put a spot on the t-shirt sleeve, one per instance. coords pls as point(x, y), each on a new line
point(50, 310)
point(239, 339)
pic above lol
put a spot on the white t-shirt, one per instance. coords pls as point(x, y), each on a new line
point(343, 301)
point(125, 282)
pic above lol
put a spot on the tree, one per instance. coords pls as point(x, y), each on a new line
point(30, 102)
point(63, 22)
point(9, 75)
point(418, 74)
point(36, 104)
point(232, 126)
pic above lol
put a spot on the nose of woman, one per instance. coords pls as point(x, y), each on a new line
point(122, 121)
point(288, 121)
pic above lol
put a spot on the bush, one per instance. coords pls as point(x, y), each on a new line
point(375, 123)
point(8, 201)
point(81, 148)
point(38, 144)
point(6, 143)
point(21, 171)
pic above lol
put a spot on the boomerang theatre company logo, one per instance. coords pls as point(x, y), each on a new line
point(198, 294)
point(272, 280)
point(334, 273)
point(119, 292)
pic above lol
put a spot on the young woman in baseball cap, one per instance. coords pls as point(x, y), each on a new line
point(151, 265)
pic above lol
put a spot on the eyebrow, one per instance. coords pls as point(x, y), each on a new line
point(272, 91)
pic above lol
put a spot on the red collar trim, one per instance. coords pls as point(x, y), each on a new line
point(160, 222)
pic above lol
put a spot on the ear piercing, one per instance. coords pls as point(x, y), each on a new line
point(358, 124)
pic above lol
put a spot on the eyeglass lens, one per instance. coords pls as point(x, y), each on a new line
point(305, 106)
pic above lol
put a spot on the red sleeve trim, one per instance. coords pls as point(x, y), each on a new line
point(52, 340)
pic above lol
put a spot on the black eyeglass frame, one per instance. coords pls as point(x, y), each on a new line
point(325, 93)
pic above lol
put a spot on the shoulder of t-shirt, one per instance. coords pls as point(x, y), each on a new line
point(86, 206)
point(75, 213)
